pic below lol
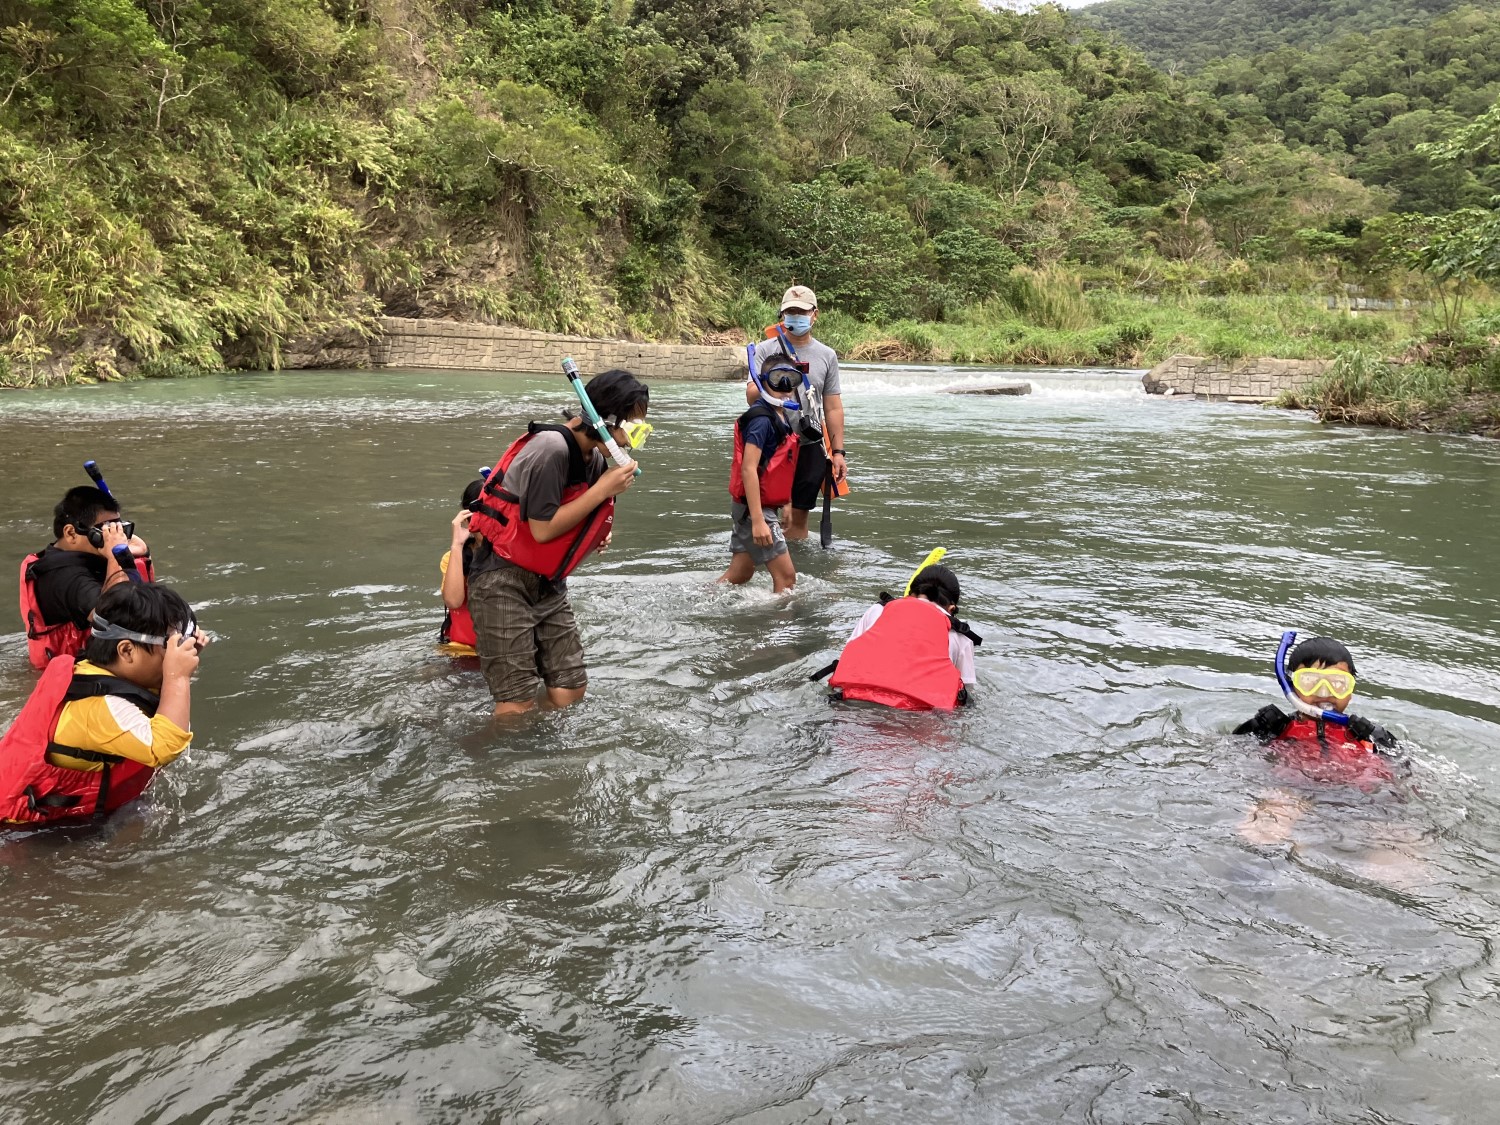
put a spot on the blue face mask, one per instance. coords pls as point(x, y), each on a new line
point(798, 324)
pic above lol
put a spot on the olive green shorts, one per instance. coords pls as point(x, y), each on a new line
point(526, 634)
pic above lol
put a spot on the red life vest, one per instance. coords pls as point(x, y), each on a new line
point(777, 472)
point(32, 790)
point(43, 641)
point(497, 515)
point(458, 628)
point(902, 660)
point(1326, 751)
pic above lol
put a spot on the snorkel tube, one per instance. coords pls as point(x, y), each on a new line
point(933, 556)
point(1288, 639)
point(766, 396)
point(591, 416)
point(92, 468)
point(123, 558)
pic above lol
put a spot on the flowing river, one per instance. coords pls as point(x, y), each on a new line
point(705, 894)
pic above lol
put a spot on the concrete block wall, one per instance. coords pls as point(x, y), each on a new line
point(483, 347)
point(1248, 379)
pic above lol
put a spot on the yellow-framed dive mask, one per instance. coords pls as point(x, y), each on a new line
point(1308, 681)
point(637, 432)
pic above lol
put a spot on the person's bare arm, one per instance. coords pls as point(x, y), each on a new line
point(615, 480)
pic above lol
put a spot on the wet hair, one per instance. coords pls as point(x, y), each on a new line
point(618, 394)
point(141, 607)
point(937, 584)
point(1318, 650)
point(81, 508)
point(471, 493)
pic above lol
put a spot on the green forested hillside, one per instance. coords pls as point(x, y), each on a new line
point(1188, 33)
point(184, 183)
point(1373, 99)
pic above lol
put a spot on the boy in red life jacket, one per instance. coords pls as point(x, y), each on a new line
point(61, 583)
point(457, 631)
point(911, 652)
point(761, 474)
point(1312, 745)
point(93, 733)
point(1320, 672)
point(548, 503)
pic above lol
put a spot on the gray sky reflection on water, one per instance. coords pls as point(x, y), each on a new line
point(705, 894)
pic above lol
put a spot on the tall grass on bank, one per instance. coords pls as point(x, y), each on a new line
point(1041, 322)
point(1360, 387)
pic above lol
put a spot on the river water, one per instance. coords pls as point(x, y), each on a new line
point(705, 895)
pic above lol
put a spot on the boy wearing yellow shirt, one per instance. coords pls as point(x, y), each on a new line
point(93, 733)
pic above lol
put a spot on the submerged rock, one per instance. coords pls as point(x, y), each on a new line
point(997, 389)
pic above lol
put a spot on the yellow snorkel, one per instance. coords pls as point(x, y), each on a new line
point(933, 556)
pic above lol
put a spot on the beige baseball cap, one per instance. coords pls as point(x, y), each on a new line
point(799, 297)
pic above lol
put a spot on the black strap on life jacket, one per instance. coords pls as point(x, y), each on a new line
point(577, 473)
point(960, 627)
point(89, 685)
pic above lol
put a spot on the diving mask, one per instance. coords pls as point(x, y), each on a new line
point(103, 630)
point(1339, 683)
point(636, 433)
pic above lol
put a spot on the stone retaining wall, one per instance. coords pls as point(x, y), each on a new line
point(483, 347)
point(1235, 380)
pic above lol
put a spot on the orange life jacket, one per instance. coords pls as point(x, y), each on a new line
point(902, 660)
point(33, 790)
point(43, 641)
point(497, 515)
point(777, 472)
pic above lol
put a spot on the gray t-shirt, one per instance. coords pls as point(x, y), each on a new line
point(822, 373)
point(537, 478)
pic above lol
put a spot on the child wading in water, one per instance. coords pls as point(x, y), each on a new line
point(457, 631)
point(760, 482)
point(547, 505)
point(94, 732)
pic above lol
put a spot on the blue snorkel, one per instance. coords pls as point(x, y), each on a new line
point(123, 558)
point(1288, 639)
point(767, 396)
point(92, 468)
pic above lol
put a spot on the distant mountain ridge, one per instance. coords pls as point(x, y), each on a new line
point(1189, 33)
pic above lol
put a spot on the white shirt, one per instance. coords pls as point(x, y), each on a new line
point(960, 648)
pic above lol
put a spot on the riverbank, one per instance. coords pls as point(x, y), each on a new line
point(1360, 388)
point(1045, 320)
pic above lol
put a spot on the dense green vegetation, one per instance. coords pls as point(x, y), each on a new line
point(185, 185)
point(1188, 33)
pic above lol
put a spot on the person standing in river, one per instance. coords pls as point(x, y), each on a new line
point(822, 405)
point(548, 503)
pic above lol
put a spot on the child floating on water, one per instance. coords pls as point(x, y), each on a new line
point(93, 733)
point(457, 631)
point(1322, 741)
point(910, 652)
point(761, 475)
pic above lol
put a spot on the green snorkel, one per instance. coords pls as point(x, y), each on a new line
point(591, 416)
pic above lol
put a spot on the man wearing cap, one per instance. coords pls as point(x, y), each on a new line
point(822, 405)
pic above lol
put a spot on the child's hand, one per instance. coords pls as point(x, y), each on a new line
point(114, 536)
point(138, 547)
point(617, 479)
point(461, 527)
point(181, 660)
point(760, 531)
